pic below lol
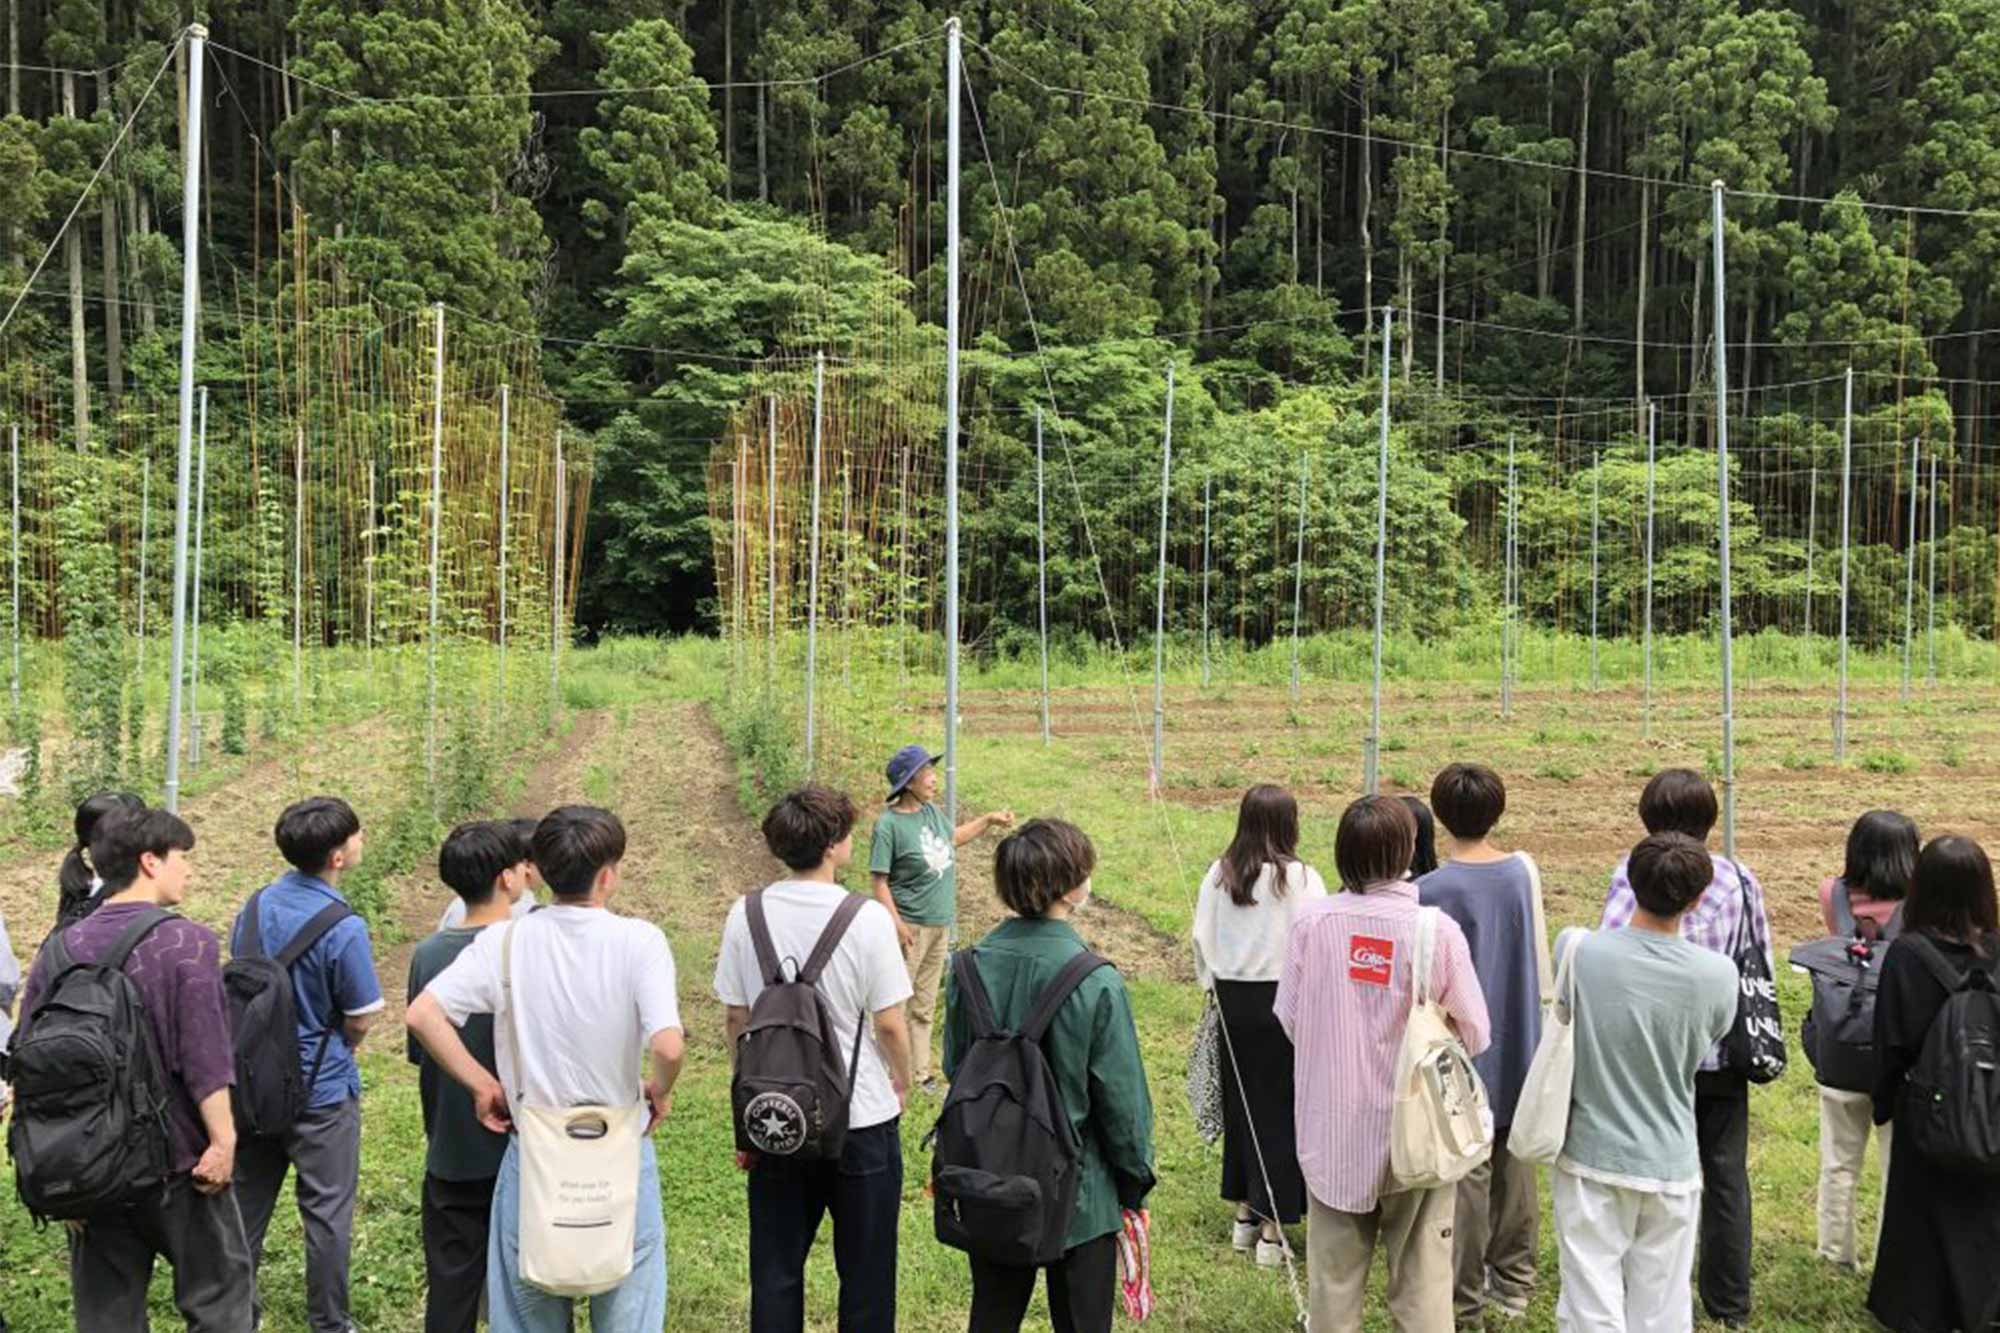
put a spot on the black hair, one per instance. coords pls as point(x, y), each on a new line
point(1881, 855)
point(1267, 834)
point(1678, 800)
point(575, 842)
point(523, 829)
point(74, 899)
point(1374, 843)
point(1424, 854)
point(1951, 896)
point(121, 838)
point(1669, 872)
point(475, 855)
point(309, 832)
point(1040, 862)
point(806, 824)
point(1469, 800)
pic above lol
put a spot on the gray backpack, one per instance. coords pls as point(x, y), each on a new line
point(791, 1089)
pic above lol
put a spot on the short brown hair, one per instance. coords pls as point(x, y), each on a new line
point(805, 824)
point(573, 844)
point(1678, 800)
point(1040, 862)
point(1469, 799)
point(1375, 841)
point(1669, 873)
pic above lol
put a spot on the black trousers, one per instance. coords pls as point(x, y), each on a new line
point(201, 1235)
point(1722, 1130)
point(864, 1193)
point(1083, 1288)
point(456, 1218)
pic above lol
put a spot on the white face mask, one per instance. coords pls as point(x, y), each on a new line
point(1078, 904)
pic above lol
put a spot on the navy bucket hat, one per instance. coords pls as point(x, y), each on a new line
point(908, 762)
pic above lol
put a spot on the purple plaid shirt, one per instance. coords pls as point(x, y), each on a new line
point(1711, 923)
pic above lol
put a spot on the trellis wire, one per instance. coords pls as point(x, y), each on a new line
point(1652, 444)
point(194, 592)
point(812, 555)
point(1041, 572)
point(1930, 598)
point(1846, 517)
point(1370, 780)
point(437, 531)
point(1910, 581)
point(1299, 567)
point(1722, 489)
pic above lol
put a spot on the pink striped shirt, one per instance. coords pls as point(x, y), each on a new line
point(1344, 998)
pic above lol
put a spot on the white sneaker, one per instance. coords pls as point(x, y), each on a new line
point(1270, 1254)
point(1244, 1238)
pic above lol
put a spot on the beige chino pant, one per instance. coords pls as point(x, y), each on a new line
point(1844, 1121)
point(1414, 1231)
point(928, 952)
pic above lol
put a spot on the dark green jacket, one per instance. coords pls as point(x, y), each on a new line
point(1093, 1051)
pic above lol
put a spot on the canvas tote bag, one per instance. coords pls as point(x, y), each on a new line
point(1541, 1116)
point(579, 1179)
point(1440, 1126)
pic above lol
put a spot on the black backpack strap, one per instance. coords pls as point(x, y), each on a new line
point(1057, 992)
point(122, 947)
point(253, 934)
point(1894, 928)
point(1844, 923)
point(1941, 969)
point(768, 964)
point(830, 937)
point(308, 935)
point(972, 992)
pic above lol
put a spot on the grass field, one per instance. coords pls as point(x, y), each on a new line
point(645, 735)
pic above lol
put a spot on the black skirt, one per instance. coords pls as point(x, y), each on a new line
point(1264, 1055)
point(1935, 1269)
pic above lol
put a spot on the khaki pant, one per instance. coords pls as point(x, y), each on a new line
point(1499, 1222)
point(1844, 1121)
point(1414, 1229)
point(926, 960)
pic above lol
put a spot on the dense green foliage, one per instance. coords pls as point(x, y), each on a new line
point(1241, 184)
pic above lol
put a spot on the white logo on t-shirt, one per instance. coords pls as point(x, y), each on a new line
point(937, 852)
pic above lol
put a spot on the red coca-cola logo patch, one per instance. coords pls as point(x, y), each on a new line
point(1369, 960)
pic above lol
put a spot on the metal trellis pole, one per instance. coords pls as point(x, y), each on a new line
point(1371, 759)
point(506, 423)
point(771, 535)
point(1204, 580)
point(1509, 631)
point(1652, 445)
point(1722, 492)
point(1596, 488)
point(1812, 528)
point(1910, 580)
point(437, 527)
point(368, 578)
point(557, 592)
point(298, 568)
point(1930, 597)
point(1160, 596)
point(145, 540)
point(954, 81)
point(1042, 571)
point(1846, 515)
point(1299, 567)
point(194, 592)
point(191, 177)
point(812, 558)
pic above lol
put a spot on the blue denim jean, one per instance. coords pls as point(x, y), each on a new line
point(636, 1305)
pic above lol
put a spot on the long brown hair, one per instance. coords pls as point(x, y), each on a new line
point(1952, 896)
point(1267, 834)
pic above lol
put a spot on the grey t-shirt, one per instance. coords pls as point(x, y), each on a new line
point(1648, 1007)
point(1493, 903)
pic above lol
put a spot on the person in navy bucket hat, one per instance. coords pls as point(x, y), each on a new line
point(912, 857)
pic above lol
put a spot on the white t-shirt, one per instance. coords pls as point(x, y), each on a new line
point(865, 976)
point(1234, 943)
point(590, 990)
point(454, 915)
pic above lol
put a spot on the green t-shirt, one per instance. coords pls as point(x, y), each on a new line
point(915, 851)
point(460, 1147)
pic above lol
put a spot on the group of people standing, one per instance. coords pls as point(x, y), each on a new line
point(1651, 1188)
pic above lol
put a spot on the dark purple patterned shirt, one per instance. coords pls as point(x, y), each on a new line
point(178, 970)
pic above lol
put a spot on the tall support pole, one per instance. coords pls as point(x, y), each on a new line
point(1299, 568)
point(1722, 493)
point(194, 592)
point(368, 577)
point(1930, 598)
point(903, 566)
point(1160, 596)
point(298, 567)
point(437, 526)
point(1509, 633)
point(1910, 580)
point(954, 78)
point(556, 593)
point(506, 424)
point(812, 559)
point(1204, 580)
point(1812, 531)
point(1596, 492)
point(1371, 760)
point(1846, 514)
point(14, 576)
point(145, 540)
point(1652, 448)
point(183, 463)
point(1042, 571)
point(771, 534)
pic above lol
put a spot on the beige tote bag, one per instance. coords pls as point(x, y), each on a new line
point(579, 1180)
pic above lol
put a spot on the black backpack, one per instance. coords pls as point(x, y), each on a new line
point(271, 1092)
point(790, 1092)
point(89, 1128)
point(1846, 967)
point(1951, 1101)
point(1004, 1173)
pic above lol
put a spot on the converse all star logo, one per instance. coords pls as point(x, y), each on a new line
point(775, 1124)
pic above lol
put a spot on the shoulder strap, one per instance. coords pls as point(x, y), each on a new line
point(253, 934)
point(308, 934)
point(1544, 971)
point(1057, 992)
point(829, 937)
point(1844, 922)
point(1566, 969)
point(1420, 979)
point(972, 993)
point(768, 965)
point(1894, 927)
point(122, 947)
point(507, 1028)
point(1934, 961)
